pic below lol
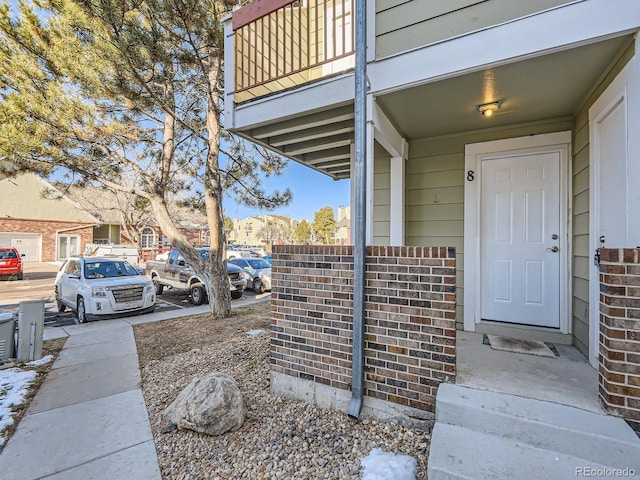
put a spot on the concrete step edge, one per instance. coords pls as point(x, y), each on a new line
point(531, 410)
point(539, 424)
point(460, 453)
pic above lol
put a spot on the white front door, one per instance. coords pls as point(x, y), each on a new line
point(520, 231)
point(516, 232)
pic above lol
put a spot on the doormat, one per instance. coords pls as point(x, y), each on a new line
point(517, 345)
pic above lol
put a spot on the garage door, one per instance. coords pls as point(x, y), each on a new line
point(28, 243)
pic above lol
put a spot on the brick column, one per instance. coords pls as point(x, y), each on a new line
point(620, 333)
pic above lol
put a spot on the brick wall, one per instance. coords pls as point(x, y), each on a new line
point(620, 333)
point(409, 326)
point(48, 232)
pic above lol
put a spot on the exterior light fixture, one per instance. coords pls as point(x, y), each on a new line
point(487, 109)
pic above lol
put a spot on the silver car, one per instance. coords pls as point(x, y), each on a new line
point(98, 287)
point(260, 271)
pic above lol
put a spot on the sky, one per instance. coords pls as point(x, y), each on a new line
point(311, 191)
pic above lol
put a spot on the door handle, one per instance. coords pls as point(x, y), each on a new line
point(553, 249)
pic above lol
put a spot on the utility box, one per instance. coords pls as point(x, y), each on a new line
point(7, 335)
point(30, 330)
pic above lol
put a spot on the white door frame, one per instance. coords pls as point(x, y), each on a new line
point(624, 88)
point(474, 154)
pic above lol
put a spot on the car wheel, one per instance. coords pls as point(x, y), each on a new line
point(258, 286)
point(198, 295)
point(20, 276)
point(236, 294)
point(61, 306)
point(158, 285)
point(80, 311)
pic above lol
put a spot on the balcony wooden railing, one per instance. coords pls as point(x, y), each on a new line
point(281, 44)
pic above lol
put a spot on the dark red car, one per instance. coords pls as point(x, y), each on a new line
point(10, 262)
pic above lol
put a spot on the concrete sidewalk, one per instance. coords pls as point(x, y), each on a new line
point(89, 419)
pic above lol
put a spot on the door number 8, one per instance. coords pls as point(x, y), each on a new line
point(470, 176)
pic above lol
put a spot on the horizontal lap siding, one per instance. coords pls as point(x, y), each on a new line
point(404, 25)
point(409, 319)
point(381, 196)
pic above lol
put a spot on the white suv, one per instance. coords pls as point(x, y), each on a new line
point(96, 286)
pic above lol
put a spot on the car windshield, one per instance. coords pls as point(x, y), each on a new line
point(8, 254)
point(109, 269)
point(258, 263)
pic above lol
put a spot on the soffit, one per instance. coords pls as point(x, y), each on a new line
point(550, 86)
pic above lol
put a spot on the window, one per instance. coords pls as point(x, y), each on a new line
point(72, 268)
point(109, 269)
point(173, 257)
point(147, 238)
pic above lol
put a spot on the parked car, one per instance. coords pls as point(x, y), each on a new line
point(260, 271)
point(175, 273)
point(258, 252)
point(11, 262)
point(102, 287)
point(162, 257)
point(238, 253)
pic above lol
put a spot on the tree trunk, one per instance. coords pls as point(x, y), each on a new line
point(212, 183)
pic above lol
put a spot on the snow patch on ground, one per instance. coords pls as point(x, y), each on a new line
point(381, 465)
point(44, 360)
point(14, 384)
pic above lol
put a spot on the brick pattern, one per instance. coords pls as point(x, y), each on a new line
point(49, 231)
point(620, 333)
point(410, 329)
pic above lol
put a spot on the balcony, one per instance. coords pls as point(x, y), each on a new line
point(279, 44)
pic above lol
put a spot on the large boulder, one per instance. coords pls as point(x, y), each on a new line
point(212, 404)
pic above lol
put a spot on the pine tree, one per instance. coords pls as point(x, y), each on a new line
point(127, 94)
point(303, 232)
point(324, 223)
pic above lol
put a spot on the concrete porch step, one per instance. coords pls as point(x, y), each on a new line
point(460, 453)
point(480, 434)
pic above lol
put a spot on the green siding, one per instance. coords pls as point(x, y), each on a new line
point(403, 25)
point(581, 251)
point(381, 196)
point(22, 198)
point(434, 189)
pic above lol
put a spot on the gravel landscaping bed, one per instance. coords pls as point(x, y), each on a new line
point(281, 438)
